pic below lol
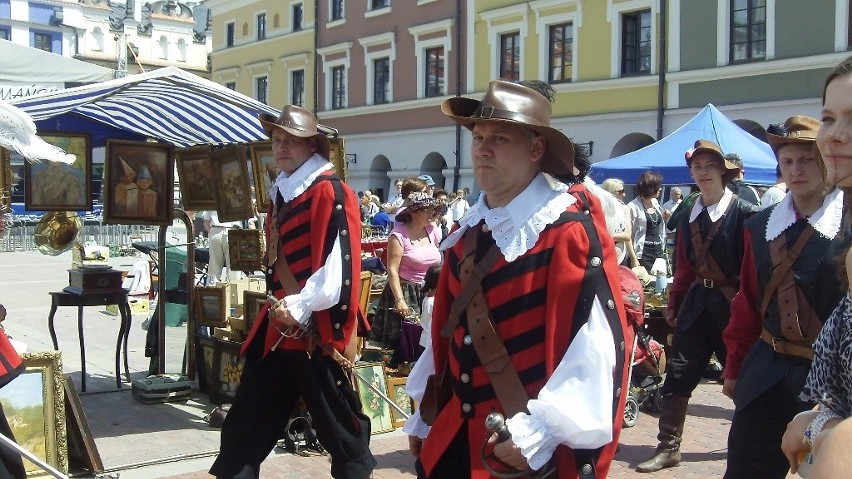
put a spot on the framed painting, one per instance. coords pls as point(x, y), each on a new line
point(246, 250)
point(52, 185)
point(206, 352)
point(83, 455)
point(211, 306)
point(338, 156)
point(229, 367)
point(233, 193)
point(138, 183)
point(396, 391)
point(374, 405)
point(265, 171)
point(5, 180)
point(195, 174)
point(34, 404)
point(253, 302)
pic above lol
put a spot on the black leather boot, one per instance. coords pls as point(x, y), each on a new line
point(672, 418)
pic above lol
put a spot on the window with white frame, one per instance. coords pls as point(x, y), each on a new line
point(261, 26)
point(163, 48)
point(338, 87)
point(97, 39)
point(379, 55)
point(298, 16)
point(435, 74)
point(231, 85)
point(377, 4)
point(335, 10)
point(510, 56)
point(381, 80)
point(5, 32)
point(297, 88)
point(181, 50)
point(560, 52)
point(43, 41)
point(557, 51)
point(230, 33)
point(748, 30)
point(636, 42)
point(261, 89)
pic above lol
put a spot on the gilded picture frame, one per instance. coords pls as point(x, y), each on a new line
point(34, 404)
point(253, 302)
point(53, 185)
point(337, 153)
point(245, 248)
point(211, 306)
point(83, 455)
point(5, 180)
point(195, 175)
point(138, 183)
point(264, 171)
point(374, 406)
point(229, 367)
point(396, 391)
point(233, 193)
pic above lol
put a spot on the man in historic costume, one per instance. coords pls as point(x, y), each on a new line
point(709, 252)
point(543, 273)
point(784, 299)
point(296, 346)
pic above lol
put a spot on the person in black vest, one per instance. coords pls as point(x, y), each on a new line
point(781, 305)
point(709, 253)
point(737, 185)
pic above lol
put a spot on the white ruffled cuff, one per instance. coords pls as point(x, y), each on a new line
point(533, 437)
point(414, 426)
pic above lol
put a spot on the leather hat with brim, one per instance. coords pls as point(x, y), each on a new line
point(707, 146)
point(514, 104)
point(798, 129)
point(297, 122)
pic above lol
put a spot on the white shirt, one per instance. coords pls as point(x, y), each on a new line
point(575, 405)
point(213, 218)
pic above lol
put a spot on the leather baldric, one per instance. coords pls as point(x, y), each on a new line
point(798, 321)
point(489, 347)
point(709, 272)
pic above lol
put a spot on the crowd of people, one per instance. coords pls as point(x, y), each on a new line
point(522, 366)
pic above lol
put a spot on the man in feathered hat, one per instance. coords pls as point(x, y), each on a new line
point(539, 336)
point(301, 344)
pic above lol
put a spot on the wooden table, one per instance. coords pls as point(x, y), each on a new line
point(118, 297)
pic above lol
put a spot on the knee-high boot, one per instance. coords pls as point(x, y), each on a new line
point(672, 418)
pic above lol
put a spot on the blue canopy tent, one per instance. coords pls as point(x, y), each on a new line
point(667, 155)
point(168, 104)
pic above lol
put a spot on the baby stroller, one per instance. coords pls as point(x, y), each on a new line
point(647, 363)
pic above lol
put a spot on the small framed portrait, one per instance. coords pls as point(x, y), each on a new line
point(83, 455)
point(34, 404)
point(246, 250)
point(253, 302)
point(210, 303)
point(374, 406)
point(396, 391)
point(233, 192)
point(5, 179)
point(52, 185)
point(229, 366)
point(206, 348)
point(265, 170)
point(138, 183)
point(195, 174)
point(338, 156)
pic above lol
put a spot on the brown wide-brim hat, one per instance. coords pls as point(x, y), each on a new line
point(798, 129)
point(297, 122)
point(515, 104)
point(707, 146)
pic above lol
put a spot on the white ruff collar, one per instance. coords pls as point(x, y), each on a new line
point(294, 185)
point(714, 211)
point(825, 220)
point(516, 226)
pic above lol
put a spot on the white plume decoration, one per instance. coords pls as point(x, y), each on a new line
point(18, 132)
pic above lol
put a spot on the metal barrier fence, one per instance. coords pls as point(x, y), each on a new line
point(19, 235)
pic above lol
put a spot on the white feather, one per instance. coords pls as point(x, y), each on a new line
point(18, 132)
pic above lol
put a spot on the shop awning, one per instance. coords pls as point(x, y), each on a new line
point(168, 104)
point(22, 65)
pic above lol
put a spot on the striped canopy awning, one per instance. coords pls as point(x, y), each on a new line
point(168, 104)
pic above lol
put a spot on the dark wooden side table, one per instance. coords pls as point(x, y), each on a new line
point(118, 297)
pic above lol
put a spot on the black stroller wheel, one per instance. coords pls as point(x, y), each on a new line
point(631, 412)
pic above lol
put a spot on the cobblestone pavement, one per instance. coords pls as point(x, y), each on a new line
point(172, 441)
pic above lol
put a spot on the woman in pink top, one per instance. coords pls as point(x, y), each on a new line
point(412, 249)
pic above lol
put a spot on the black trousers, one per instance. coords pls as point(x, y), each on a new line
point(268, 392)
point(690, 353)
point(754, 442)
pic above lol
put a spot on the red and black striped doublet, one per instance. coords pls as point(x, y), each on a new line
point(538, 302)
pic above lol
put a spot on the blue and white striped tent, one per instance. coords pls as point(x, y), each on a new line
point(168, 104)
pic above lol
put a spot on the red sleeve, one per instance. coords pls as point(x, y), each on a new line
point(684, 274)
point(745, 325)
